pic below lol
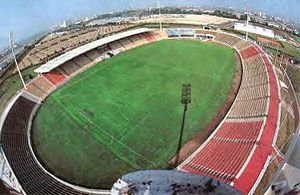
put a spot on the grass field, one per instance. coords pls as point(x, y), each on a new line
point(124, 114)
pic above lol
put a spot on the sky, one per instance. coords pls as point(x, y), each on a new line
point(27, 17)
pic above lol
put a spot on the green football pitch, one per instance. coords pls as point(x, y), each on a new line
point(124, 114)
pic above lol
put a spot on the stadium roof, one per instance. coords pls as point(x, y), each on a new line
point(254, 29)
point(52, 64)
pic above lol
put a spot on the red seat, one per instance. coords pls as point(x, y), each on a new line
point(240, 130)
point(55, 77)
point(249, 52)
point(220, 159)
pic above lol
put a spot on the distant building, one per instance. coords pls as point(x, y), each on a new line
point(3, 66)
point(64, 24)
point(254, 29)
point(272, 24)
point(260, 14)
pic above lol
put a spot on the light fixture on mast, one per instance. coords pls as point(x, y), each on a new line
point(11, 43)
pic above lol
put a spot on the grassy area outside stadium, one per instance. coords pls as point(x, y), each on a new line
point(124, 114)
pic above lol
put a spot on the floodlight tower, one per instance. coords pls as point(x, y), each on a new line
point(149, 12)
point(247, 20)
point(185, 100)
point(159, 13)
point(11, 43)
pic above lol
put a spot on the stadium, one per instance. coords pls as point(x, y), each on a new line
point(101, 107)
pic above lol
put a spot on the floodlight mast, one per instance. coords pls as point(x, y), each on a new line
point(159, 13)
point(11, 43)
point(247, 20)
point(185, 100)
